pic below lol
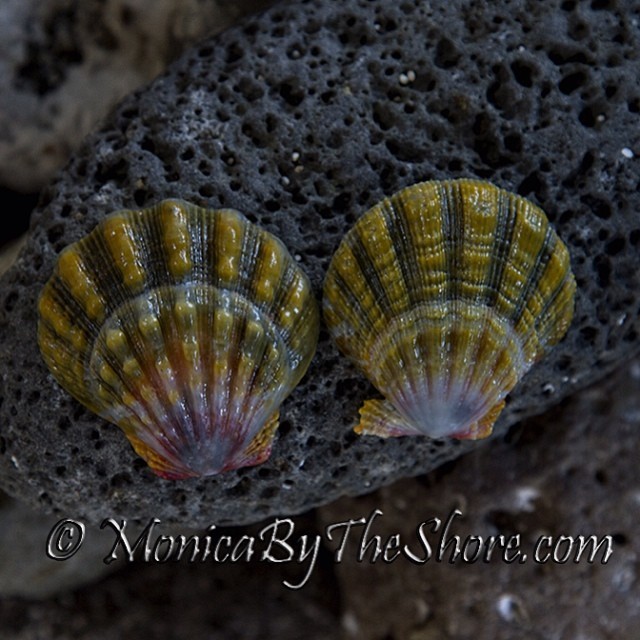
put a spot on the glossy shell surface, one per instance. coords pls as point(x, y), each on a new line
point(186, 327)
point(444, 295)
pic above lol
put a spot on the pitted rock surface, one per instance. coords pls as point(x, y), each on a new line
point(64, 64)
point(303, 118)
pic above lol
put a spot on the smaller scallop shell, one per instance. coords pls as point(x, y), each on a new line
point(184, 326)
point(444, 295)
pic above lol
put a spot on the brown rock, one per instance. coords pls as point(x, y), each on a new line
point(571, 473)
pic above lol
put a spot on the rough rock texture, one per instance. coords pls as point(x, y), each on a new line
point(65, 63)
point(302, 118)
point(572, 472)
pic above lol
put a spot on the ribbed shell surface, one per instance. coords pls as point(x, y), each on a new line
point(444, 295)
point(187, 327)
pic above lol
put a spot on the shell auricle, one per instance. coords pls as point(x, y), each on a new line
point(444, 295)
point(186, 327)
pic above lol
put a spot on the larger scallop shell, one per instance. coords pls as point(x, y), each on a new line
point(184, 326)
point(444, 295)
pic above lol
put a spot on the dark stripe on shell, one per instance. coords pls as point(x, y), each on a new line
point(505, 226)
point(395, 216)
point(542, 260)
point(367, 267)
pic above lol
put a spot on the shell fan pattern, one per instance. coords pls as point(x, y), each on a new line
point(186, 327)
point(444, 295)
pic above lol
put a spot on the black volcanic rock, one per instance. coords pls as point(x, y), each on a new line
point(303, 118)
point(64, 64)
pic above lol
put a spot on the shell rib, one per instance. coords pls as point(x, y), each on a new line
point(184, 326)
point(444, 295)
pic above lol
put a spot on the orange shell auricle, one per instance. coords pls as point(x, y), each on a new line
point(186, 327)
point(444, 295)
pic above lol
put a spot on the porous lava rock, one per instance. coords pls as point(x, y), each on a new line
point(64, 64)
point(303, 118)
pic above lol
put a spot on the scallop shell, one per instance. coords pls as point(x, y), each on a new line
point(444, 295)
point(184, 326)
